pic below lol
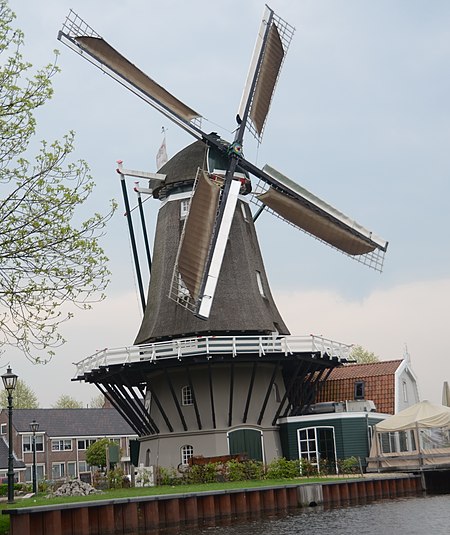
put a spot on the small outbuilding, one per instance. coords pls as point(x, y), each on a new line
point(331, 436)
point(417, 438)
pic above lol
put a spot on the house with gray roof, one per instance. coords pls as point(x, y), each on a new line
point(19, 466)
point(62, 440)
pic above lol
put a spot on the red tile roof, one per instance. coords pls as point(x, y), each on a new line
point(356, 371)
point(378, 379)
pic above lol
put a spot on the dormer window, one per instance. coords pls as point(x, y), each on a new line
point(359, 390)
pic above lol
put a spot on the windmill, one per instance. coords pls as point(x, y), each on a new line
point(209, 300)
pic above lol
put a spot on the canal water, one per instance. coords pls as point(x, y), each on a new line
point(429, 515)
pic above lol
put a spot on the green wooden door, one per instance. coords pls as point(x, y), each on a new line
point(248, 441)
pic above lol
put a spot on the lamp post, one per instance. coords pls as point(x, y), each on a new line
point(34, 426)
point(10, 381)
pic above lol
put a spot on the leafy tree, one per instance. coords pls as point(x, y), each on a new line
point(67, 402)
point(96, 452)
point(46, 260)
point(23, 397)
point(97, 402)
point(362, 356)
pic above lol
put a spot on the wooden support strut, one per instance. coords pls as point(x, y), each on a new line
point(194, 400)
point(128, 401)
point(250, 391)
point(160, 407)
point(211, 395)
point(175, 399)
point(140, 405)
point(137, 425)
point(269, 390)
point(290, 407)
point(287, 392)
point(230, 403)
point(111, 399)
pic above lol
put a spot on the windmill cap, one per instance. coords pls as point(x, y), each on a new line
point(182, 168)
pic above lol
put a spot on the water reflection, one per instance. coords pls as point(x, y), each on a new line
point(429, 515)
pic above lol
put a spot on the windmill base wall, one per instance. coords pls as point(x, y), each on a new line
point(165, 450)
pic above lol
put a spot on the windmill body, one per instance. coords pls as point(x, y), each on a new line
point(243, 302)
point(213, 365)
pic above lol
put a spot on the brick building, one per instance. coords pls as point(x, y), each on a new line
point(391, 384)
point(62, 439)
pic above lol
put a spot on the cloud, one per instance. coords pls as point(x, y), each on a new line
point(414, 315)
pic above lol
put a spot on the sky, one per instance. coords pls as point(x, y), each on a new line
point(360, 117)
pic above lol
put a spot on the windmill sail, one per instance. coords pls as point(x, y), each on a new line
point(197, 233)
point(202, 245)
point(201, 251)
point(265, 68)
point(304, 210)
point(271, 46)
point(79, 36)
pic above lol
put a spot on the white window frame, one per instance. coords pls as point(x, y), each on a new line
point(40, 472)
point(62, 473)
point(184, 207)
point(186, 452)
point(27, 440)
point(260, 284)
point(62, 444)
point(308, 447)
point(3, 429)
point(187, 397)
point(87, 442)
point(359, 385)
point(83, 466)
point(244, 211)
point(73, 465)
point(405, 391)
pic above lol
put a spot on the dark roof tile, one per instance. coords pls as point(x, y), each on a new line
point(73, 422)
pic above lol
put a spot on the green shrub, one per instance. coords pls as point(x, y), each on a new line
point(253, 469)
point(349, 465)
point(307, 468)
point(18, 487)
point(206, 473)
point(234, 471)
point(283, 469)
point(115, 478)
point(167, 476)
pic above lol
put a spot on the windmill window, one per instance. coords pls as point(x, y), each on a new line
point(186, 396)
point(244, 211)
point(184, 208)
point(187, 451)
point(359, 390)
point(148, 401)
point(276, 392)
point(260, 283)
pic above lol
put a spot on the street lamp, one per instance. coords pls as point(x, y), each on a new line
point(34, 426)
point(10, 381)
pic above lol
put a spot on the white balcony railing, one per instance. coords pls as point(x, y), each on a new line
point(210, 346)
